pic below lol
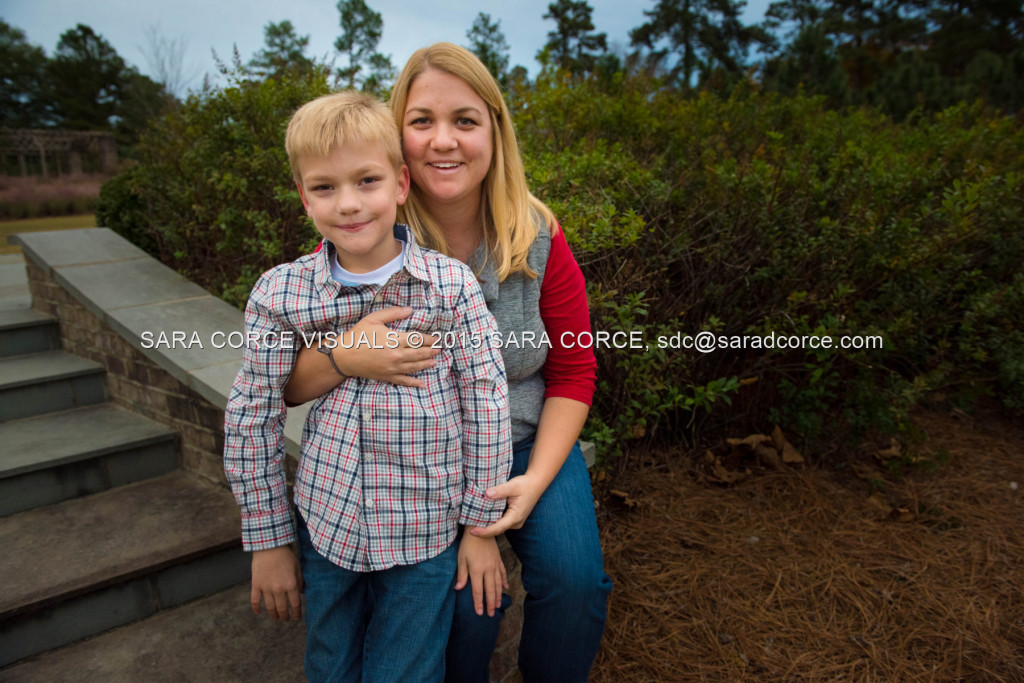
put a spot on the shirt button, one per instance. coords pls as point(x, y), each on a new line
point(366, 417)
point(369, 502)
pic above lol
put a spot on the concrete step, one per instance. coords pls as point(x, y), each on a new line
point(25, 330)
point(216, 638)
point(58, 456)
point(87, 565)
point(14, 292)
point(48, 382)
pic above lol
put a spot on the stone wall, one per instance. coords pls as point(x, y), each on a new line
point(133, 381)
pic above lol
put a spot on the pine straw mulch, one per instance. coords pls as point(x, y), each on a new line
point(850, 573)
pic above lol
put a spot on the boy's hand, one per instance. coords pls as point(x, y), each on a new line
point(480, 562)
point(277, 579)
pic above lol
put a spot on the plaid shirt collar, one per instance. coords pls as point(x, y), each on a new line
point(414, 263)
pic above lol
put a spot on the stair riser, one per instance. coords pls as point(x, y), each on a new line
point(106, 608)
point(85, 477)
point(49, 397)
point(29, 339)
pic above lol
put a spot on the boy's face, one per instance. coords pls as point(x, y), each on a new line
point(352, 195)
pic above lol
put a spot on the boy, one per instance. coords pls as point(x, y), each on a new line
point(387, 472)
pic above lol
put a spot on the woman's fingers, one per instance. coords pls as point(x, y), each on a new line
point(498, 527)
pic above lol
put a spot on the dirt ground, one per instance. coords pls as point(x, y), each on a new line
point(898, 564)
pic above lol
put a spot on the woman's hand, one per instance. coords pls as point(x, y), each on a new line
point(480, 564)
point(522, 494)
point(385, 364)
point(313, 375)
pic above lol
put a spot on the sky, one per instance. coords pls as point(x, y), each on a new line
point(203, 25)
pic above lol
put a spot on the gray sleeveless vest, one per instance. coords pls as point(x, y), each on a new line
point(515, 304)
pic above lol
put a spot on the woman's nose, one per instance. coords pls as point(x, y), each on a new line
point(443, 139)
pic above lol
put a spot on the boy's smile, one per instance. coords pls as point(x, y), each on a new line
point(352, 195)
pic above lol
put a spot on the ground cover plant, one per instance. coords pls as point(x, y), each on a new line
point(841, 574)
point(37, 197)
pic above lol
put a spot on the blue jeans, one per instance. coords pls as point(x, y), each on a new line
point(388, 625)
point(566, 587)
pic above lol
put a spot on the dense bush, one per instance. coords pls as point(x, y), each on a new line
point(213, 195)
point(759, 213)
point(741, 216)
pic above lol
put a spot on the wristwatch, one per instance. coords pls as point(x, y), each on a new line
point(327, 350)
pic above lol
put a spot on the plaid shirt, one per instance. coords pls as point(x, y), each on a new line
point(387, 472)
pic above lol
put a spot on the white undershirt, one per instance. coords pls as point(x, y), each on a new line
point(374, 277)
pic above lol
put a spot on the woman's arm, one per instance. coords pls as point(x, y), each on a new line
point(569, 377)
point(561, 420)
point(313, 375)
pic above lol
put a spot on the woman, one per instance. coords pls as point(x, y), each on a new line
point(469, 200)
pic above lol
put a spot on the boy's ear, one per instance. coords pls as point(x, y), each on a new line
point(403, 185)
point(302, 195)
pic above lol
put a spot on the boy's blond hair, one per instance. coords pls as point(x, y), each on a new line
point(330, 121)
point(511, 215)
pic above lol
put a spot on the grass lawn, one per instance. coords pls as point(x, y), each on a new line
point(38, 224)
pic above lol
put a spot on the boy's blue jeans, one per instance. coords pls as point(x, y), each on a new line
point(566, 587)
point(385, 626)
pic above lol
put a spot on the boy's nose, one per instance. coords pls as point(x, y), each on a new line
point(348, 201)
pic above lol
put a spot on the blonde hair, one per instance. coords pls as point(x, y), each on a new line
point(330, 121)
point(511, 215)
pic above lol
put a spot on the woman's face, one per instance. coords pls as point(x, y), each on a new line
point(446, 139)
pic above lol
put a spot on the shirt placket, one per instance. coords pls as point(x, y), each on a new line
point(373, 434)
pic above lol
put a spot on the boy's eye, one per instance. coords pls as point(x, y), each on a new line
point(321, 188)
point(369, 179)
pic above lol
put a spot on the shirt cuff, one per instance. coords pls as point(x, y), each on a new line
point(267, 530)
point(479, 510)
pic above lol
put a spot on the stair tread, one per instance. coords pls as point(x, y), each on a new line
point(216, 638)
point(43, 367)
point(16, 318)
point(53, 439)
point(66, 549)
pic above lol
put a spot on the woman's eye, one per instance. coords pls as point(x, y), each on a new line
point(420, 121)
point(463, 121)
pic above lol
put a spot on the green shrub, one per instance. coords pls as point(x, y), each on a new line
point(213, 195)
point(121, 208)
point(751, 215)
point(759, 214)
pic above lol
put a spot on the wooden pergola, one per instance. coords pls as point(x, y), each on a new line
point(57, 146)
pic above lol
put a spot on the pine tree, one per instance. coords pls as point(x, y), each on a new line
point(573, 45)
point(284, 53)
point(705, 34)
point(22, 80)
point(488, 43)
point(361, 31)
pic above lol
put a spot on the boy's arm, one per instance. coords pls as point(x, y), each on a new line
point(254, 428)
point(479, 376)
